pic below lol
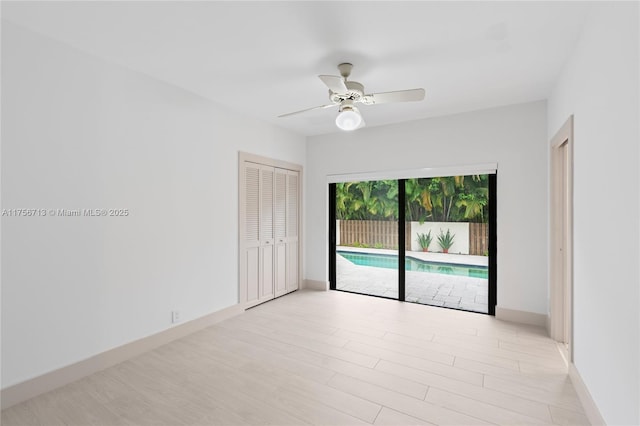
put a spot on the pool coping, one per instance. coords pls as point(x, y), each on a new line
point(452, 258)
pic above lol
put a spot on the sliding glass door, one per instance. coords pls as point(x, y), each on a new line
point(447, 251)
point(438, 249)
point(366, 233)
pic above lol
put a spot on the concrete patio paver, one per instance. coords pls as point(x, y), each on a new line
point(451, 291)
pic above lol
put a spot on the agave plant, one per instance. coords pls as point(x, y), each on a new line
point(445, 241)
point(424, 240)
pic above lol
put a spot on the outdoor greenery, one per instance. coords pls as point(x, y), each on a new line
point(438, 199)
point(425, 240)
point(445, 241)
point(370, 200)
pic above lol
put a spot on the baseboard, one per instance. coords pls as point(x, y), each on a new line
point(589, 405)
point(49, 381)
point(547, 324)
point(316, 285)
point(521, 317)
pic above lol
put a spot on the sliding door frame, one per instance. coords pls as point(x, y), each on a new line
point(492, 297)
point(332, 236)
point(402, 238)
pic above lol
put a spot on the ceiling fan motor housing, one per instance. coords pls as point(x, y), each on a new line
point(347, 105)
point(355, 92)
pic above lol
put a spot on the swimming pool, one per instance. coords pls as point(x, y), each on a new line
point(411, 264)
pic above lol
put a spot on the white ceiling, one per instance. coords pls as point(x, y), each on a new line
point(263, 58)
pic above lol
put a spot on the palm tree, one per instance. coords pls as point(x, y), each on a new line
point(367, 200)
point(474, 199)
point(444, 199)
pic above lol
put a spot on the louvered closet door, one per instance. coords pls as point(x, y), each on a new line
point(269, 218)
point(250, 274)
point(280, 231)
point(293, 215)
point(266, 233)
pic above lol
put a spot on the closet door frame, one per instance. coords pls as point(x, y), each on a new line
point(292, 239)
point(242, 261)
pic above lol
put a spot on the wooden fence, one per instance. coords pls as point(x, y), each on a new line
point(372, 233)
point(479, 238)
point(384, 234)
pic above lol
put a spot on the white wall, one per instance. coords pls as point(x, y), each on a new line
point(515, 137)
point(79, 132)
point(599, 85)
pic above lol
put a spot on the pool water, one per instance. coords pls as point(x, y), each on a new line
point(411, 264)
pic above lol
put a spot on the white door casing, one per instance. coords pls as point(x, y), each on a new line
point(293, 223)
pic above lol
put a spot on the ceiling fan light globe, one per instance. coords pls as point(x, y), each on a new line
point(348, 120)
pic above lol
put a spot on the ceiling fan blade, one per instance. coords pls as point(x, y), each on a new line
point(399, 96)
point(308, 109)
point(334, 83)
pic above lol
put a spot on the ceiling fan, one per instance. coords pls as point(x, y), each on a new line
point(345, 94)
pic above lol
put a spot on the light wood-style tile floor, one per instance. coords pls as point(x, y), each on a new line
point(328, 358)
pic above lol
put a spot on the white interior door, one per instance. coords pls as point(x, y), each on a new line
point(250, 234)
point(565, 243)
point(266, 233)
point(280, 225)
point(269, 218)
